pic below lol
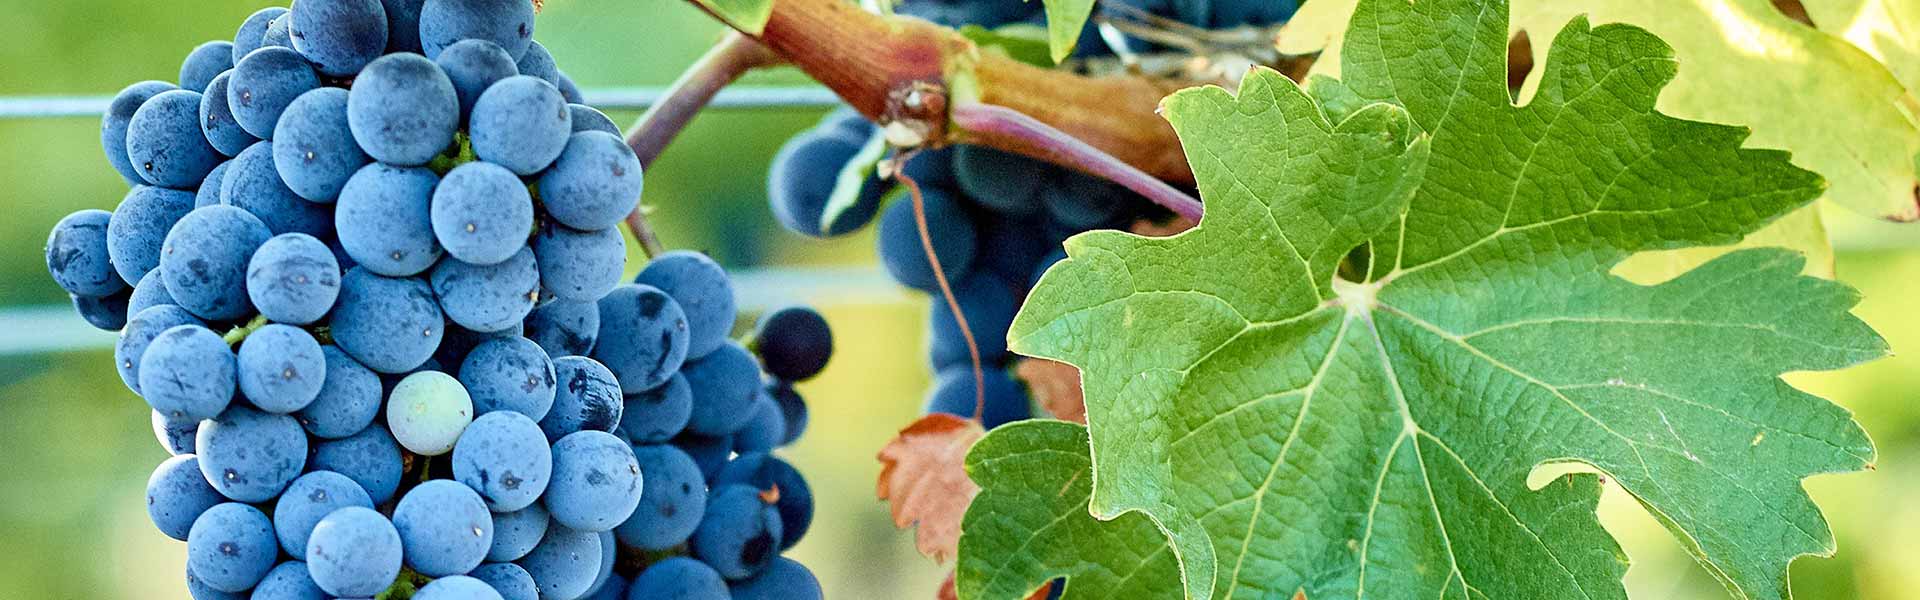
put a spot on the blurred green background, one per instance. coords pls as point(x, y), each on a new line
point(76, 448)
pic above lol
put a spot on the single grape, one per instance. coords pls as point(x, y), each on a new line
point(643, 336)
point(403, 25)
point(354, 552)
point(516, 533)
point(509, 374)
point(596, 481)
point(504, 456)
point(176, 437)
point(595, 182)
point(587, 398)
point(673, 498)
point(139, 227)
point(250, 456)
point(609, 551)
point(989, 304)
point(488, 298)
point(765, 428)
point(391, 325)
point(307, 500)
point(279, 33)
point(725, 386)
point(313, 150)
point(587, 118)
point(565, 563)
point(801, 183)
point(509, 580)
point(1017, 245)
point(565, 327)
point(932, 168)
point(457, 587)
point(293, 278)
point(740, 532)
point(768, 473)
point(948, 225)
point(794, 342)
point(263, 83)
point(281, 368)
point(507, 23)
point(339, 36)
point(1078, 201)
point(349, 398)
point(253, 32)
point(444, 527)
point(199, 590)
point(140, 333)
point(370, 458)
point(785, 579)
point(711, 453)
point(403, 110)
point(522, 123)
point(209, 192)
point(427, 411)
point(680, 578)
point(537, 62)
point(105, 313)
point(79, 256)
point(187, 373)
point(655, 416)
point(177, 495)
point(253, 183)
point(481, 213)
point(384, 221)
point(579, 265)
point(165, 144)
point(953, 393)
point(473, 65)
point(289, 581)
point(793, 409)
point(999, 181)
point(231, 547)
point(704, 293)
point(204, 63)
point(113, 125)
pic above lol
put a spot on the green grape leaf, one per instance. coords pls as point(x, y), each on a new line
point(1015, 538)
point(1368, 426)
point(1887, 29)
point(1019, 41)
point(1065, 20)
point(748, 16)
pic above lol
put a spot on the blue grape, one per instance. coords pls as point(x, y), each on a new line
point(289, 581)
point(293, 278)
point(253, 183)
point(1047, 262)
point(953, 393)
point(702, 290)
point(595, 182)
point(187, 373)
point(177, 495)
point(473, 65)
point(461, 341)
point(579, 265)
point(391, 325)
point(1017, 245)
point(106, 313)
point(354, 552)
point(794, 342)
point(403, 25)
point(209, 192)
point(522, 123)
point(768, 473)
point(1230, 13)
point(370, 458)
point(509, 580)
point(932, 168)
point(481, 213)
point(615, 588)
point(263, 83)
point(281, 368)
point(176, 437)
point(339, 36)
point(565, 327)
point(765, 428)
point(457, 587)
point(140, 332)
point(139, 227)
point(785, 579)
point(403, 110)
point(516, 533)
point(199, 590)
point(79, 255)
point(570, 90)
point(596, 481)
point(205, 62)
point(231, 547)
point(509, 374)
point(725, 386)
point(444, 527)
point(587, 399)
point(609, 550)
point(710, 453)
point(427, 411)
point(673, 498)
point(253, 32)
point(587, 118)
point(488, 298)
point(507, 23)
point(655, 416)
point(565, 563)
point(504, 456)
point(802, 181)
point(307, 500)
point(279, 33)
point(349, 398)
point(250, 456)
point(793, 410)
point(989, 304)
point(999, 181)
point(955, 13)
point(1080, 202)
point(384, 222)
point(313, 150)
point(679, 578)
point(954, 241)
point(165, 144)
point(740, 533)
point(113, 125)
point(537, 62)
point(643, 336)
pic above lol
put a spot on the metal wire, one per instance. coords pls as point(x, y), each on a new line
point(610, 99)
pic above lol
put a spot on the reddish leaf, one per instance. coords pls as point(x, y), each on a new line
point(947, 593)
point(1056, 385)
point(1150, 228)
point(922, 476)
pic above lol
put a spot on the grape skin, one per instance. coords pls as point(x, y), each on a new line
point(263, 83)
point(953, 393)
point(177, 495)
point(954, 241)
point(313, 150)
point(370, 458)
point(509, 374)
point(281, 368)
point(596, 481)
point(205, 62)
point(308, 500)
point(565, 563)
point(444, 528)
point(587, 118)
point(488, 298)
point(187, 373)
point(457, 587)
point(587, 399)
point(740, 533)
point(579, 265)
point(594, 183)
point(288, 581)
point(516, 533)
point(522, 123)
point(681, 578)
point(293, 278)
point(505, 457)
point(768, 473)
point(794, 342)
point(384, 221)
point(673, 499)
point(427, 411)
point(704, 293)
point(339, 36)
point(113, 125)
point(564, 327)
point(473, 65)
point(657, 415)
point(354, 552)
point(481, 213)
point(79, 255)
point(403, 110)
point(250, 456)
point(785, 579)
point(989, 304)
point(725, 386)
point(643, 336)
point(253, 183)
point(217, 123)
point(507, 23)
point(349, 398)
point(764, 429)
point(139, 228)
point(175, 437)
point(165, 144)
point(253, 31)
point(231, 547)
point(140, 333)
point(204, 261)
point(209, 192)
point(508, 580)
point(391, 325)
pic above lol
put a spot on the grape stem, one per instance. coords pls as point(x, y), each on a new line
point(1069, 151)
point(239, 334)
point(946, 294)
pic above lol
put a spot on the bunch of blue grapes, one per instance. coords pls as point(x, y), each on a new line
point(370, 283)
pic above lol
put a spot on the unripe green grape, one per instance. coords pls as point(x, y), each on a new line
point(427, 412)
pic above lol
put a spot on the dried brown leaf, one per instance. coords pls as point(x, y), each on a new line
point(1056, 385)
point(947, 591)
point(923, 477)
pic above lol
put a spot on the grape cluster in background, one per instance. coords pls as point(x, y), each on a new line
point(996, 220)
point(369, 280)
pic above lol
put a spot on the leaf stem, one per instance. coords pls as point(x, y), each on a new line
point(1070, 151)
